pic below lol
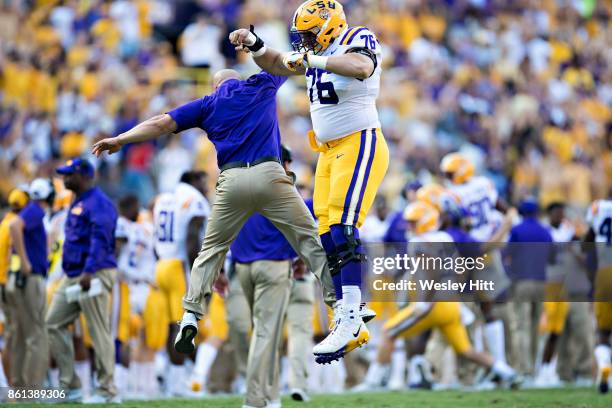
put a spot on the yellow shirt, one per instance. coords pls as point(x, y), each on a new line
point(5, 246)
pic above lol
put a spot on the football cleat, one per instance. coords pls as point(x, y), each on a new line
point(366, 387)
point(102, 399)
point(515, 381)
point(188, 329)
point(298, 394)
point(73, 395)
point(604, 375)
point(365, 313)
point(344, 338)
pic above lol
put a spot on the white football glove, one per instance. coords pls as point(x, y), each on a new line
point(294, 60)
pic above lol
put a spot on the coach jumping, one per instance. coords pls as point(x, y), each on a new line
point(240, 119)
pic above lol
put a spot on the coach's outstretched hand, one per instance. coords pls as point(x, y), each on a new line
point(110, 144)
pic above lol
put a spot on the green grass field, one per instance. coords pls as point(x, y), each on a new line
point(558, 398)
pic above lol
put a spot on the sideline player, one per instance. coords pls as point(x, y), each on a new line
point(342, 69)
point(179, 219)
point(599, 219)
point(556, 308)
point(479, 198)
point(423, 316)
point(136, 262)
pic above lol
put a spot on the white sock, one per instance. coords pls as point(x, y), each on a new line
point(376, 373)
point(334, 377)
point(398, 363)
point(494, 331)
point(478, 341)
point(176, 379)
point(602, 355)
point(351, 296)
point(121, 378)
point(54, 377)
point(502, 369)
point(161, 363)
point(83, 370)
point(3, 380)
point(414, 373)
point(315, 379)
point(283, 376)
point(149, 385)
point(205, 357)
point(135, 378)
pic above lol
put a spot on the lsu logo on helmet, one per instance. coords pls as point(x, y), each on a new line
point(316, 23)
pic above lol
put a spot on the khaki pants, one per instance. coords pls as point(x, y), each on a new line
point(28, 346)
point(528, 296)
point(266, 286)
point(300, 331)
point(238, 316)
point(575, 347)
point(97, 314)
point(267, 189)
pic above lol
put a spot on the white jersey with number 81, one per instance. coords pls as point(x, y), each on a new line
point(340, 105)
point(171, 216)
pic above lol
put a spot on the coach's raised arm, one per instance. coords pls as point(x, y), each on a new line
point(239, 118)
point(158, 125)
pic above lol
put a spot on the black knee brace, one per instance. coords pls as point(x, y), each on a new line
point(351, 250)
point(333, 262)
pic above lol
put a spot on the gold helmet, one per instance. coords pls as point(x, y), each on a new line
point(457, 167)
point(432, 194)
point(316, 23)
point(424, 215)
point(18, 198)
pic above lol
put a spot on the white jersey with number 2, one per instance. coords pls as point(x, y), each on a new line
point(340, 105)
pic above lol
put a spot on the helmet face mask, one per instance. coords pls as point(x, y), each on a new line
point(306, 41)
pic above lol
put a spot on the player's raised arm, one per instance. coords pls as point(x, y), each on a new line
point(151, 128)
point(268, 59)
point(357, 63)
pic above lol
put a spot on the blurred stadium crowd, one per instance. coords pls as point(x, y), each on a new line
point(522, 88)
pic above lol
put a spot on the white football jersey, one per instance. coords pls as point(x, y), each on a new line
point(565, 261)
point(340, 105)
point(563, 233)
point(137, 258)
point(599, 218)
point(171, 215)
point(478, 197)
point(421, 244)
point(433, 248)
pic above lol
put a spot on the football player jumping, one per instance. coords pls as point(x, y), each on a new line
point(342, 69)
